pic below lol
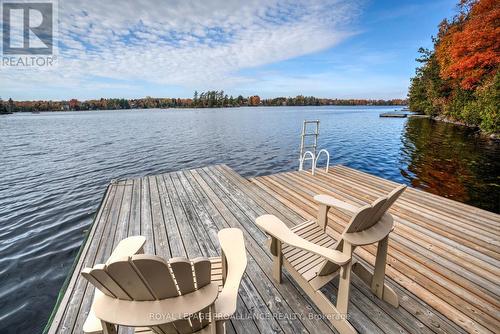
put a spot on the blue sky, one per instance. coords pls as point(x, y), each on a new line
point(325, 48)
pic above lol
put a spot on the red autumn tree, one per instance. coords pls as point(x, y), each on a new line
point(468, 48)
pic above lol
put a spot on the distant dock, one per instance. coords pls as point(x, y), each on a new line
point(403, 114)
point(394, 114)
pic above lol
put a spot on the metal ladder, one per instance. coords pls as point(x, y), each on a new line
point(308, 150)
point(305, 134)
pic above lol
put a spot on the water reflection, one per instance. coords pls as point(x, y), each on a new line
point(451, 161)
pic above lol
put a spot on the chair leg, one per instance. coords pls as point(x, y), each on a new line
point(108, 328)
point(376, 281)
point(323, 216)
point(220, 327)
point(337, 318)
point(377, 285)
point(344, 282)
point(216, 327)
point(277, 259)
point(366, 276)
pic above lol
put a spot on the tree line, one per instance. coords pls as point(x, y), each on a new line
point(458, 79)
point(315, 101)
point(101, 104)
point(208, 99)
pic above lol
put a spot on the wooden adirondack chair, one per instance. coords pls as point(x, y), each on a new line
point(175, 296)
point(314, 258)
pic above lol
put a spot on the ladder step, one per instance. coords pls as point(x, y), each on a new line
point(310, 134)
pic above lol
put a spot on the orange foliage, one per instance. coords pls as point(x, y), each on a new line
point(468, 49)
point(254, 100)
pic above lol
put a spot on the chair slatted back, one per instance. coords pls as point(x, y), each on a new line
point(369, 215)
point(391, 198)
point(158, 275)
point(125, 275)
point(359, 219)
point(364, 218)
point(100, 278)
point(148, 277)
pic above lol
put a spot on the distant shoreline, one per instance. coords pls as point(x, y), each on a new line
point(187, 107)
point(225, 107)
point(209, 99)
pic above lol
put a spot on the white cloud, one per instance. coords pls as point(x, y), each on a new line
point(338, 83)
point(184, 43)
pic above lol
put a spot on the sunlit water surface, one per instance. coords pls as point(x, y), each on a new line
point(54, 168)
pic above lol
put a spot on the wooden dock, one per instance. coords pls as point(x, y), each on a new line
point(443, 255)
point(397, 114)
point(403, 114)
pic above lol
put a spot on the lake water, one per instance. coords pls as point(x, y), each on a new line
point(54, 168)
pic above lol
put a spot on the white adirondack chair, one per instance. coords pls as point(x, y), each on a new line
point(313, 258)
point(158, 296)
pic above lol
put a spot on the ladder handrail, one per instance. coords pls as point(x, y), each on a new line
point(327, 159)
point(304, 158)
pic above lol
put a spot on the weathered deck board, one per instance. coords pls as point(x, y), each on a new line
point(443, 257)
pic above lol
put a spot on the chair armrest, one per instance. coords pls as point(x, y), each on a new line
point(331, 201)
point(273, 226)
point(128, 247)
point(234, 259)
